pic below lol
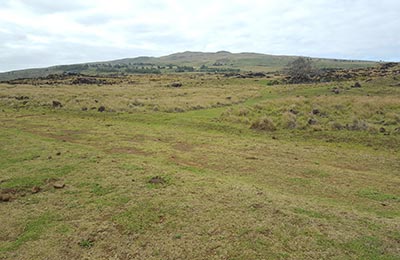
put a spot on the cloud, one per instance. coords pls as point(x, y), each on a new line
point(46, 32)
point(47, 7)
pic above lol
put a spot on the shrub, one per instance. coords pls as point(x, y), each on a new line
point(300, 70)
point(289, 121)
point(336, 126)
point(243, 111)
point(358, 125)
point(264, 124)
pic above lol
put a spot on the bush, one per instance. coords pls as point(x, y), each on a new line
point(264, 124)
point(289, 121)
point(337, 126)
point(358, 125)
point(300, 70)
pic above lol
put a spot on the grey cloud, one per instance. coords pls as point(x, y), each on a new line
point(95, 19)
point(52, 6)
point(65, 53)
point(55, 32)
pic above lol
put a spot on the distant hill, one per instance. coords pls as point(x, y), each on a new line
point(221, 61)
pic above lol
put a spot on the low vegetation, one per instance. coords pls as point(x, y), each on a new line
point(200, 166)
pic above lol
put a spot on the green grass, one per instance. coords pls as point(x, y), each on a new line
point(33, 229)
point(37, 177)
point(378, 196)
point(229, 191)
point(140, 218)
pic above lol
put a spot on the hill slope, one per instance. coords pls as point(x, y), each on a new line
point(222, 61)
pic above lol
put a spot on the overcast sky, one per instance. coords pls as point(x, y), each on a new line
point(38, 33)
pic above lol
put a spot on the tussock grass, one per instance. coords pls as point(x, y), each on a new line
point(201, 183)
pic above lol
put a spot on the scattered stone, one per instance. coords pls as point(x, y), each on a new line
point(101, 109)
point(21, 97)
point(257, 206)
point(58, 153)
point(35, 189)
point(157, 180)
point(312, 121)
point(56, 104)
point(49, 157)
point(293, 111)
point(388, 65)
point(5, 197)
point(176, 85)
point(382, 130)
point(84, 108)
point(59, 185)
point(356, 85)
point(88, 80)
point(336, 91)
point(316, 111)
point(251, 158)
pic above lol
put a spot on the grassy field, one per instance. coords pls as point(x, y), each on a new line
point(220, 168)
point(194, 60)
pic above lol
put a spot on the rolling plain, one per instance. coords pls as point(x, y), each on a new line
point(201, 165)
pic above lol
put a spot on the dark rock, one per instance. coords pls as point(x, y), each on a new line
point(176, 85)
point(101, 109)
point(84, 108)
point(56, 104)
point(316, 111)
point(312, 121)
point(356, 85)
point(382, 130)
point(293, 111)
point(5, 197)
point(251, 158)
point(388, 65)
point(58, 153)
point(21, 97)
point(35, 189)
point(89, 81)
point(157, 180)
point(59, 185)
point(254, 75)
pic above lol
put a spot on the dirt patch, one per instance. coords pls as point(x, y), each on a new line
point(183, 147)
point(10, 194)
point(7, 195)
point(129, 150)
point(157, 180)
point(68, 136)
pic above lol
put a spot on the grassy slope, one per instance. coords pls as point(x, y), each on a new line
point(243, 61)
point(230, 192)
